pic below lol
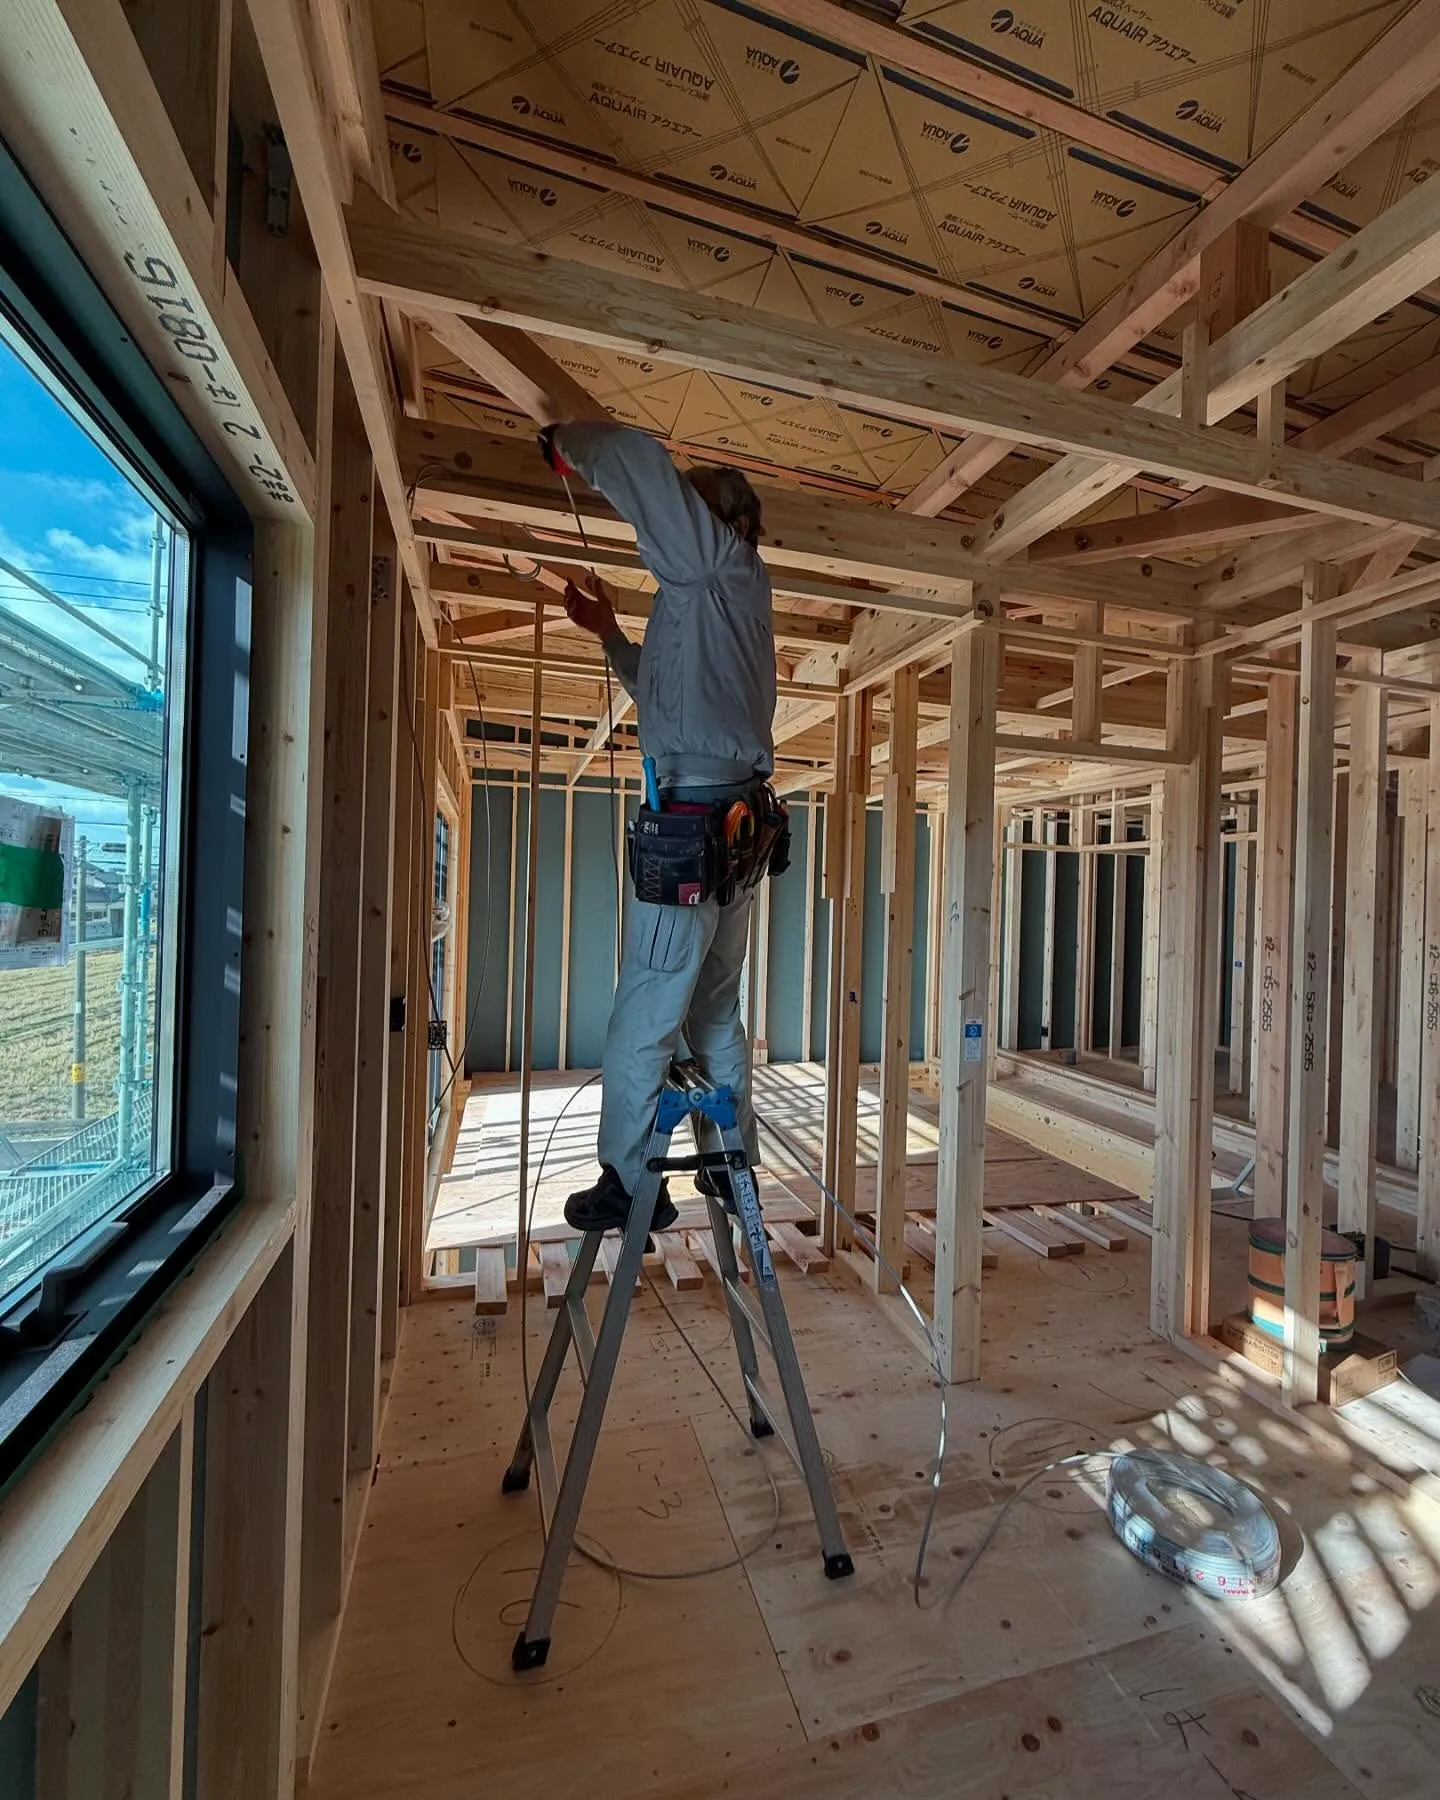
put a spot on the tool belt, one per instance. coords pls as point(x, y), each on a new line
point(681, 855)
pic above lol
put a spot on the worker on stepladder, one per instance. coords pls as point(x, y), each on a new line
point(703, 683)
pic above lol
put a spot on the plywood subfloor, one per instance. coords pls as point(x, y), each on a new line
point(477, 1200)
point(1062, 1668)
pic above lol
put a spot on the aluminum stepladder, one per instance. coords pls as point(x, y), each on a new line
point(686, 1095)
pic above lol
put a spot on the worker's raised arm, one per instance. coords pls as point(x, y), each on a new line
point(680, 539)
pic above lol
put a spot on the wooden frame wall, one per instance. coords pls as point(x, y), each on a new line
point(225, 1464)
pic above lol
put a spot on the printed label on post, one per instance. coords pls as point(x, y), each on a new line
point(974, 1040)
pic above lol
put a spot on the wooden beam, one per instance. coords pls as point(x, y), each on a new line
point(1224, 520)
point(281, 31)
point(960, 1170)
point(1273, 962)
point(816, 547)
point(347, 39)
point(1360, 973)
point(1393, 403)
point(1188, 1001)
point(1378, 89)
point(1309, 1009)
point(897, 884)
point(515, 366)
point(433, 268)
point(1382, 264)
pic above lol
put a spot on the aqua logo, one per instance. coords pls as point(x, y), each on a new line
point(958, 142)
point(532, 109)
point(733, 177)
point(851, 296)
point(1122, 208)
point(529, 191)
point(891, 234)
point(1006, 24)
point(1191, 112)
point(769, 64)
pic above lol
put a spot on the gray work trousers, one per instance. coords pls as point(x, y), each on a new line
point(679, 972)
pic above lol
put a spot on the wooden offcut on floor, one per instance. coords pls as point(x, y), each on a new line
point(1061, 1668)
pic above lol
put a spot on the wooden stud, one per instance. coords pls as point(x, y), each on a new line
point(1413, 814)
point(1120, 864)
point(1051, 829)
point(1309, 1010)
point(341, 832)
point(960, 1171)
point(1359, 973)
point(527, 996)
point(807, 973)
point(935, 921)
point(567, 881)
point(1427, 1224)
point(848, 924)
point(1008, 1026)
point(1273, 1044)
point(406, 804)
point(1085, 933)
point(899, 892)
point(1188, 999)
point(1242, 931)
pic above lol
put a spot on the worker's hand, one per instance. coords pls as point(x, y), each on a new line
point(592, 612)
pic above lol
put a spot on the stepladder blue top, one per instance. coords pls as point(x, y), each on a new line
point(735, 1203)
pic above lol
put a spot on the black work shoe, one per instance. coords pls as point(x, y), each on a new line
point(716, 1184)
point(606, 1206)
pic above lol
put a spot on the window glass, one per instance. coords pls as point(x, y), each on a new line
point(93, 586)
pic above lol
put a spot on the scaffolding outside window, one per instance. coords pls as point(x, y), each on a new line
point(94, 579)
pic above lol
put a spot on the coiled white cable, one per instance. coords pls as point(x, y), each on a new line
point(1195, 1524)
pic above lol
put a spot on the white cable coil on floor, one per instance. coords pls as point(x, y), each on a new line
point(1194, 1523)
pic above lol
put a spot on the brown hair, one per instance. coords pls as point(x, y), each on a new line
point(730, 497)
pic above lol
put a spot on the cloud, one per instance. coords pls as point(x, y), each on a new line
point(72, 552)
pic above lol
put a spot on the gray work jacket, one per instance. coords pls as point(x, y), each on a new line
point(703, 681)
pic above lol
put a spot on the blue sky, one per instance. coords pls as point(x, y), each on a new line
point(70, 518)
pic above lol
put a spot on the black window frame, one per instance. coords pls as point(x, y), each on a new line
point(63, 1327)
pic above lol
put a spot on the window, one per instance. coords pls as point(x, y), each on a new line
point(93, 584)
point(124, 670)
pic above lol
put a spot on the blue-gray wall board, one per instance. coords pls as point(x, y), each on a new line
point(495, 853)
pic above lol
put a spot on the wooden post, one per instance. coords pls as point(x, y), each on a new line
point(510, 928)
point(1188, 998)
point(1051, 830)
point(837, 812)
point(1427, 1224)
point(1335, 959)
point(426, 714)
point(1410, 1011)
point(1008, 1025)
point(1359, 1065)
point(935, 933)
point(372, 1074)
point(566, 882)
point(1242, 927)
point(960, 1172)
point(1084, 928)
point(1120, 864)
point(1309, 1010)
point(852, 919)
point(1150, 983)
point(342, 828)
point(807, 974)
point(897, 883)
point(527, 1002)
point(401, 1001)
point(1272, 998)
